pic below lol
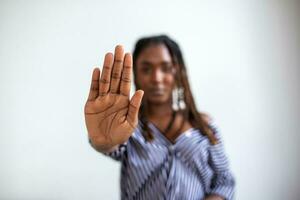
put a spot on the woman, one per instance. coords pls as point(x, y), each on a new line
point(167, 148)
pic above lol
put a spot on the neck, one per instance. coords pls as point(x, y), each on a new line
point(159, 110)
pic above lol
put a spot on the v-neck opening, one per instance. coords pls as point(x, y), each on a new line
point(158, 132)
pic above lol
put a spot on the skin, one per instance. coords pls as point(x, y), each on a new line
point(111, 116)
point(156, 77)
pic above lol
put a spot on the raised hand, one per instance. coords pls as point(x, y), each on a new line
point(110, 116)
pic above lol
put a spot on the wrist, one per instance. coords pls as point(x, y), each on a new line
point(103, 148)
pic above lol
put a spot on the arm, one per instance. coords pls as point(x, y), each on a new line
point(223, 182)
point(117, 152)
point(214, 197)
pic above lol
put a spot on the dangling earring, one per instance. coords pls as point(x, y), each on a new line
point(175, 104)
point(178, 99)
point(181, 103)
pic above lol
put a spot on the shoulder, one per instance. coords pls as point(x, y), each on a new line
point(206, 117)
point(212, 125)
point(209, 120)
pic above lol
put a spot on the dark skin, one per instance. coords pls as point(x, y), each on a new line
point(156, 77)
point(111, 116)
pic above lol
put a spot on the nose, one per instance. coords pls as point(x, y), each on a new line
point(157, 76)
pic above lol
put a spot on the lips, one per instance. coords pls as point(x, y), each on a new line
point(157, 91)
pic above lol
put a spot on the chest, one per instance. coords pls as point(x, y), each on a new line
point(174, 129)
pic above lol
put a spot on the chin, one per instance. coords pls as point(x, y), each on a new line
point(158, 100)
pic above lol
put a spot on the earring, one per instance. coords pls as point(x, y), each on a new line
point(175, 104)
point(178, 99)
point(181, 103)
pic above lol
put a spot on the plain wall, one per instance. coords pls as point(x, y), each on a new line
point(244, 68)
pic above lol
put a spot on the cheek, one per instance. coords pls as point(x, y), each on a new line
point(170, 81)
point(141, 81)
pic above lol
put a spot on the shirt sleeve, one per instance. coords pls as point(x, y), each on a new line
point(118, 154)
point(223, 182)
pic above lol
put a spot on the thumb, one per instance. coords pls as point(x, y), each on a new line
point(133, 111)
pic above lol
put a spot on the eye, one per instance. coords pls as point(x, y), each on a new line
point(167, 68)
point(146, 69)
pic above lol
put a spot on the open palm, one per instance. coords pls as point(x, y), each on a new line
point(110, 115)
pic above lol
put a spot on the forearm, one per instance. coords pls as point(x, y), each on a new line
point(103, 149)
point(213, 197)
point(108, 150)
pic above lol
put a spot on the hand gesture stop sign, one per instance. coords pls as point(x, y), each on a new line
point(110, 115)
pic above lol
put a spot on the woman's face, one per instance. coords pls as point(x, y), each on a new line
point(155, 74)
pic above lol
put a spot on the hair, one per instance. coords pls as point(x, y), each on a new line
point(190, 112)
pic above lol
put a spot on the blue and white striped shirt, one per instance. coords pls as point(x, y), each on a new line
point(191, 168)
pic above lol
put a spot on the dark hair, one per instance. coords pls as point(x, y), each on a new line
point(190, 112)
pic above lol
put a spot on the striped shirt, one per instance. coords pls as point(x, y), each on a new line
point(190, 168)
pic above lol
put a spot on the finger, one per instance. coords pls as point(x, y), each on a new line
point(133, 111)
point(106, 74)
point(126, 75)
point(94, 89)
point(117, 69)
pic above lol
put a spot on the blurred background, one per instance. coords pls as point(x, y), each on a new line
point(243, 60)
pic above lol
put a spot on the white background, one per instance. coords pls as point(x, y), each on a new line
point(244, 68)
